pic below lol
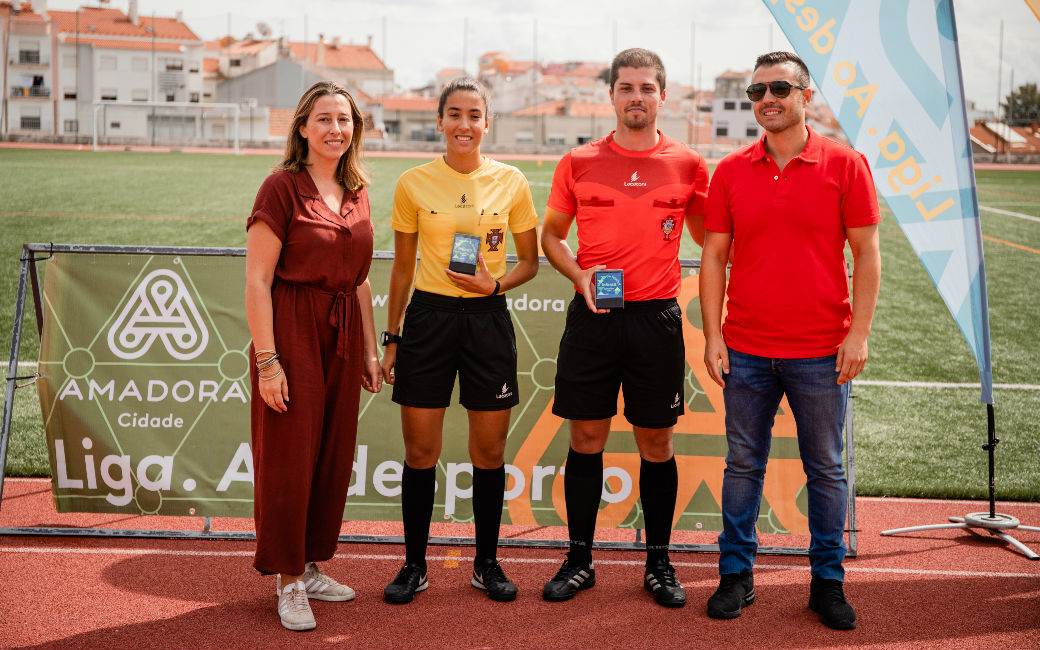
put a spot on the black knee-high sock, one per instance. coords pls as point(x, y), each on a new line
point(658, 483)
point(488, 489)
point(417, 492)
point(582, 488)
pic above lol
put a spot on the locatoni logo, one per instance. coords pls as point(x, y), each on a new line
point(160, 309)
point(634, 181)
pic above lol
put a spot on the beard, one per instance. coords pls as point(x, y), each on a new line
point(635, 120)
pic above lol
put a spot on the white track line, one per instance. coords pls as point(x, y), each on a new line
point(940, 384)
point(1009, 213)
point(552, 561)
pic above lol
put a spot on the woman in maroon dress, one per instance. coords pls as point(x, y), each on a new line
point(309, 307)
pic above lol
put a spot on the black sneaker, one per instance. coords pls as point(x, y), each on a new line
point(827, 598)
point(410, 580)
point(569, 580)
point(488, 575)
point(736, 591)
point(660, 580)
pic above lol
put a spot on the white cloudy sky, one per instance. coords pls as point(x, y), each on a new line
point(419, 37)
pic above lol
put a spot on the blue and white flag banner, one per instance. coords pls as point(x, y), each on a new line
point(890, 71)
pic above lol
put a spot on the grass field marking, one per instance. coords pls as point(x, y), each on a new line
point(130, 217)
point(1012, 244)
point(939, 384)
point(397, 557)
point(1017, 215)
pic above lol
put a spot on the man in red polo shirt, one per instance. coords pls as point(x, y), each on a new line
point(787, 204)
point(629, 194)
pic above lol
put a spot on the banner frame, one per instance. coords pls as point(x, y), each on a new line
point(28, 271)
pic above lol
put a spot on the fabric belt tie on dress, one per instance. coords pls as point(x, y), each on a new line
point(339, 317)
point(340, 314)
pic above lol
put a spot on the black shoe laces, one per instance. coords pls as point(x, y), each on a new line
point(494, 573)
point(665, 575)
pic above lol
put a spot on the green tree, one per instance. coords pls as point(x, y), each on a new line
point(1022, 106)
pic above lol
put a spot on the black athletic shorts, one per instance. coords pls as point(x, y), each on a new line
point(638, 349)
point(443, 336)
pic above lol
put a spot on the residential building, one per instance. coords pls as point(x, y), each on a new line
point(28, 80)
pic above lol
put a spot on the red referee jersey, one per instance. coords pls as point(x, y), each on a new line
point(629, 208)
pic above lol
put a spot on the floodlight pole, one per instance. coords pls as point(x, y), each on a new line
point(994, 523)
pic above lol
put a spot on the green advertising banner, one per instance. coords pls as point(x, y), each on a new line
point(145, 400)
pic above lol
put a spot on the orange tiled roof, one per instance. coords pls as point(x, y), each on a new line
point(735, 74)
point(586, 109)
point(113, 22)
point(249, 47)
point(553, 107)
point(416, 104)
point(343, 56)
point(451, 72)
point(120, 44)
point(210, 65)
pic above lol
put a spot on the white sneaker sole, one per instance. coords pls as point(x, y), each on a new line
point(331, 598)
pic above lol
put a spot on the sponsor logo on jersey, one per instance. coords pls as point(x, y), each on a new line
point(506, 393)
point(634, 181)
point(462, 203)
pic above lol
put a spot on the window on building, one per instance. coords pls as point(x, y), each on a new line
point(431, 134)
point(235, 63)
point(139, 64)
point(31, 122)
point(113, 125)
point(107, 62)
point(524, 137)
point(207, 95)
point(193, 68)
point(170, 97)
point(29, 55)
point(69, 93)
point(193, 97)
point(752, 132)
point(393, 127)
point(71, 126)
point(68, 60)
point(584, 139)
point(555, 138)
point(139, 94)
point(729, 106)
point(109, 95)
point(415, 133)
point(745, 106)
point(722, 131)
point(174, 64)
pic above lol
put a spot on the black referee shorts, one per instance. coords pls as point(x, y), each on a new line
point(443, 336)
point(638, 349)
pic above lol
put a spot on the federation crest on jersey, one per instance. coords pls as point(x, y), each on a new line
point(667, 226)
point(494, 238)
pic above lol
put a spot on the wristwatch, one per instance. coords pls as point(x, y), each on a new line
point(389, 338)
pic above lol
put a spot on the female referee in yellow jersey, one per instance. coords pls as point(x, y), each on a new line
point(456, 323)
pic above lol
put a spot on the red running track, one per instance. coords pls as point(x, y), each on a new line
point(935, 589)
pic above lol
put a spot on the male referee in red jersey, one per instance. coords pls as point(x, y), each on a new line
point(629, 194)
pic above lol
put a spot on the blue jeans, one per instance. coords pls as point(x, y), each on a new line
point(753, 390)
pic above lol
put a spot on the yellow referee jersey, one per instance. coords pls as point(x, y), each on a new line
point(436, 201)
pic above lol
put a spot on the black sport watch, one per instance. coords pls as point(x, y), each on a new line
point(389, 338)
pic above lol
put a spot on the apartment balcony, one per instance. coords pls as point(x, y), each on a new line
point(29, 60)
point(30, 92)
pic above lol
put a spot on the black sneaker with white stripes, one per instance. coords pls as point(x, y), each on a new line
point(488, 575)
point(572, 577)
point(660, 580)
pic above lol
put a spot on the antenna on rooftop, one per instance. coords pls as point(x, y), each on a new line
point(264, 29)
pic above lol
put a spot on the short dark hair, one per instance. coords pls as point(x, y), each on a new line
point(637, 57)
point(779, 58)
point(465, 84)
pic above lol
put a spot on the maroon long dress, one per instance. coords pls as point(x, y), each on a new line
point(302, 458)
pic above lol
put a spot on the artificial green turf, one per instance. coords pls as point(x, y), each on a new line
point(909, 441)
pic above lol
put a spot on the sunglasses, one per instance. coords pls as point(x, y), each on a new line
point(780, 89)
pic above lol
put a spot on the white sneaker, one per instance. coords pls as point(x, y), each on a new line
point(294, 609)
point(322, 587)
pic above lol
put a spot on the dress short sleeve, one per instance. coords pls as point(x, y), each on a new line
point(274, 203)
point(522, 214)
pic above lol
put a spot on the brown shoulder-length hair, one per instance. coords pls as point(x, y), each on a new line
point(350, 172)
